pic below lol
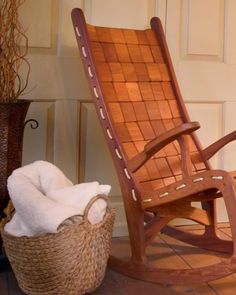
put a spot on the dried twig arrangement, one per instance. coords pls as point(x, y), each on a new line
point(13, 50)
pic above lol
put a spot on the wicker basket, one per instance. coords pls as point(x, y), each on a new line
point(70, 262)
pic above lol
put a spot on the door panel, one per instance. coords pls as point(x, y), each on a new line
point(203, 51)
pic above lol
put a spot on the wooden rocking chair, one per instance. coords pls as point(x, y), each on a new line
point(159, 161)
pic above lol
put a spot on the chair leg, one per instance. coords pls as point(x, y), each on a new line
point(135, 222)
point(210, 206)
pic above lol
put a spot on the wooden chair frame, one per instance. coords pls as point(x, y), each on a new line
point(147, 212)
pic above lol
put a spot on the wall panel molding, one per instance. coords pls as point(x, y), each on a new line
point(203, 29)
point(229, 151)
point(230, 32)
point(95, 159)
point(123, 13)
point(173, 29)
point(50, 133)
point(95, 162)
point(210, 117)
point(37, 141)
point(39, 18)
point(66, 140)
point(161, 11)
point(87, 7)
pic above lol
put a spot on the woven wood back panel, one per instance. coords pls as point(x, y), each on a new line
point(138, 93)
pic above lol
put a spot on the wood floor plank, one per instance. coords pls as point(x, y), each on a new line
point(227, 231)
point(225, 286)
point(194, 256)
point(186, 252)
point(160, 255)
point(129, 286)
point(13, 287)
point(109, 283)
point(223, 225)
point(197, 257)
point(3, 284)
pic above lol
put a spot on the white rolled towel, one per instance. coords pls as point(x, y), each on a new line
point(79, 196)
point(43, 198)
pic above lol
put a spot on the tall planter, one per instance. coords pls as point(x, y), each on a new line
point(12, 118)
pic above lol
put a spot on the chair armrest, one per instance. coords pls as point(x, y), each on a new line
point(152, 147)
point(208, 152)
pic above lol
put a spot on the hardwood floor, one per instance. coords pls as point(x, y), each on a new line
point(169, 253)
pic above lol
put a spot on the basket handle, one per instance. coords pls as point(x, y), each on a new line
point(90, 204)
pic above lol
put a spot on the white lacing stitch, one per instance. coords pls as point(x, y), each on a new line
point(77, 31)
point(118, 154)
point(90, 72)
point(101, 113)
point(134, 195)
point(180, 186)
point(164, 195)
point(95, 92)
point(109, 134)
point(127, 173)
point(217, 177)
point(198, 179)
point(84, 52)
point(147, 201)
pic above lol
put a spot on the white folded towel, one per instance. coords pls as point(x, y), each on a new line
point(43, 198)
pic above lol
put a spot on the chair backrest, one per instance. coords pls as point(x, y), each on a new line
point(137, 98)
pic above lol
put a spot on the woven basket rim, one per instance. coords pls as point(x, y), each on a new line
point(66, 228)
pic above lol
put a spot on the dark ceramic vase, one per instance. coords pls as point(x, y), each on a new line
point(12, 118)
